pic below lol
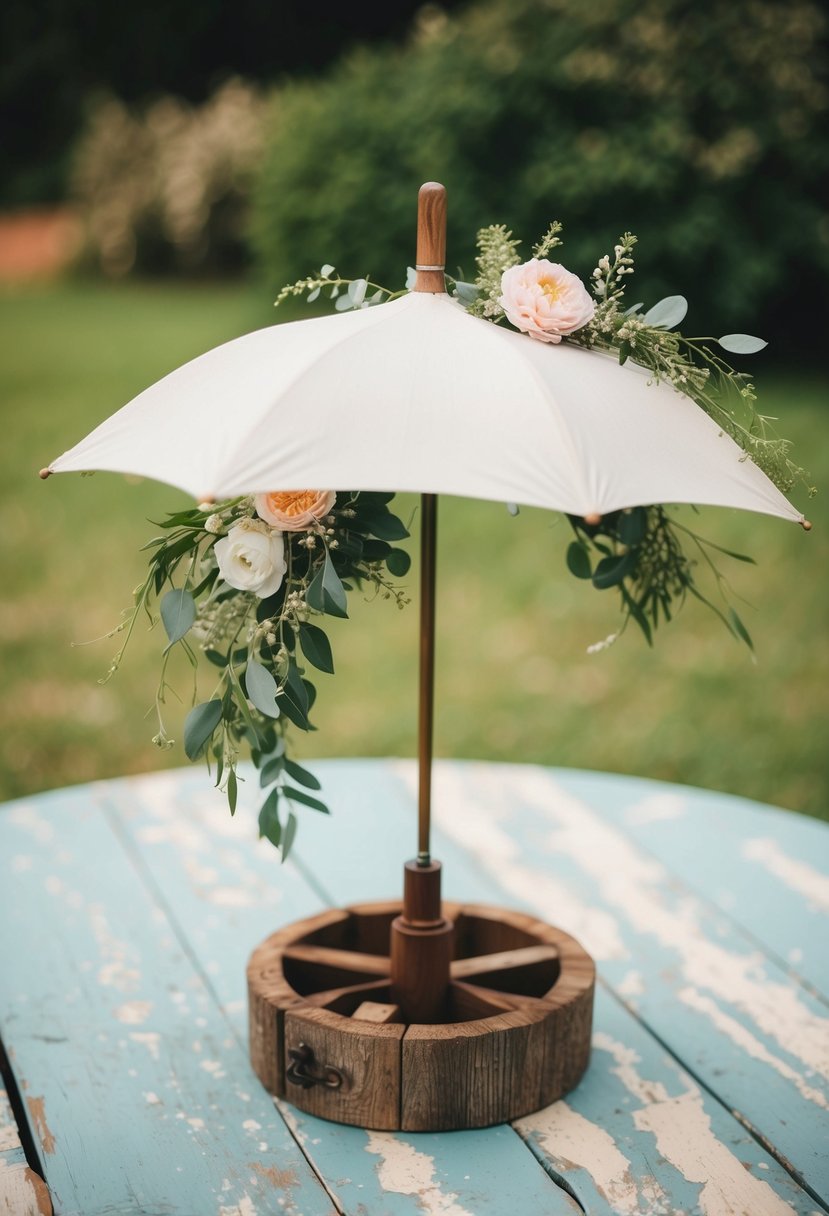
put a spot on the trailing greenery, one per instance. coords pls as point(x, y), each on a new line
point(261, 643)
point(640, 551)
point(513, 681)
point(705, 126)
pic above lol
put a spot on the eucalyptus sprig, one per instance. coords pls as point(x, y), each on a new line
point(261, 649)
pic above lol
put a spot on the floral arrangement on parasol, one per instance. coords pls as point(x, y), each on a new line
point(455, 401)
point(244, 584)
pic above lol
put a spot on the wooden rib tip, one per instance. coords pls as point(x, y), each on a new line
point(806, 524)
point(207, 500)
point(593, 519)
point(44, 473)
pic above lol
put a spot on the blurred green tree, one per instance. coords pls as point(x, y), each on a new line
point(700, 127)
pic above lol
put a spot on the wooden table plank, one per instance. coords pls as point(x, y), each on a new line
point(478, 808)
point(464, 1174)
point(22, 1192)
point(639, 1135)
point(740, 1023)
point(676, 1139)
point(138, 1089)
point(768, 869)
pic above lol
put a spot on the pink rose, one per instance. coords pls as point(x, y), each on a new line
point(294, 510)
point(545, 300)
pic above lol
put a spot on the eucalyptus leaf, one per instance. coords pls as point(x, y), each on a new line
point(300, 774)
point(467, 293)
point(632, 525)
point(612, 570)
point(296, 688)
point(327, 270)
point(399, 563)
point(293, 700)
point(343, 303)
point(178, 612)
point(375, 550)
point(232, 790)
point(312, 295)
point(306, 799)
point(269, 825)
point(316, 647)
point(357, 291)
point(386, 526)
point(288, 836)
point(741, 344)
point(739, 629)
point(513, 509)
point(199, 725)
point(270, 770)
point(411, 278)
point(667, 313)
point(262, 689)
point(333, 589)
point(578, 560)
point(325, 592)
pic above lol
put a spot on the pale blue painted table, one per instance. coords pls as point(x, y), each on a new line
point(129, 909)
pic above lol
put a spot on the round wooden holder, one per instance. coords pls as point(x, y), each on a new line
point(510, 1032)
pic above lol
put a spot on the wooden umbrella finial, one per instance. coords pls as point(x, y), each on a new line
point(431, 238)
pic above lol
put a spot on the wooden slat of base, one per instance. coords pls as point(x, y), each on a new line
point(368, 1055)
point(504, 960)
point(467, 1074)
point(338, 960)
point(269, 995)
point(335, 998)
point(373, 1011)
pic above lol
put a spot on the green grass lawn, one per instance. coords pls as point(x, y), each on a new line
point(514, 679)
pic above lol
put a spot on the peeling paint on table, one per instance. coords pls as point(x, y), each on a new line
point(130, 908)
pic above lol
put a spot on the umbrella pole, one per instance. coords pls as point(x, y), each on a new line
point(421, 940)
point(426, 711)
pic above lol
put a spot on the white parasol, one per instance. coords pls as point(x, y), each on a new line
point(419, 395)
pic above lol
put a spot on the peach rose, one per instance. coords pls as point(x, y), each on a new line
point(294, 510)
point(545, 300)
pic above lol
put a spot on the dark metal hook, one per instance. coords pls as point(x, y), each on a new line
point(301, 1070)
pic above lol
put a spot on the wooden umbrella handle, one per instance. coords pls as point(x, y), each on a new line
point(431, 238)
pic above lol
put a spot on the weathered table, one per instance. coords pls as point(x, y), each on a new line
point(129, 909)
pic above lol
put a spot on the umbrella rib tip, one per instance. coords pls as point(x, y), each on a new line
point(593, 519)
point(806, 524)
point(44, 473)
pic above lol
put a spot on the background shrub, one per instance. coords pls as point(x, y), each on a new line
point(166, 186)
point(699, 127)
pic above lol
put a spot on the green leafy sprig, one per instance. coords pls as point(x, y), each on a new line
point(641, 552)
point(261, 650)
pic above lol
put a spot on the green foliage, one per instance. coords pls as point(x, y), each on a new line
point(513, 680)
point(249, 637)
point(701, 127)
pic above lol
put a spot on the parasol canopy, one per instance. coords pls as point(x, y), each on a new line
point(419, 395)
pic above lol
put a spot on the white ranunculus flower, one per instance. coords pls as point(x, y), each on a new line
point(252, 557)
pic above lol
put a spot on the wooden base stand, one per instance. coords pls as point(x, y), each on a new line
point(420, 1017)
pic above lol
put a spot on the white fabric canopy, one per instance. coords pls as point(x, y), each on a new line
point(419, 395)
